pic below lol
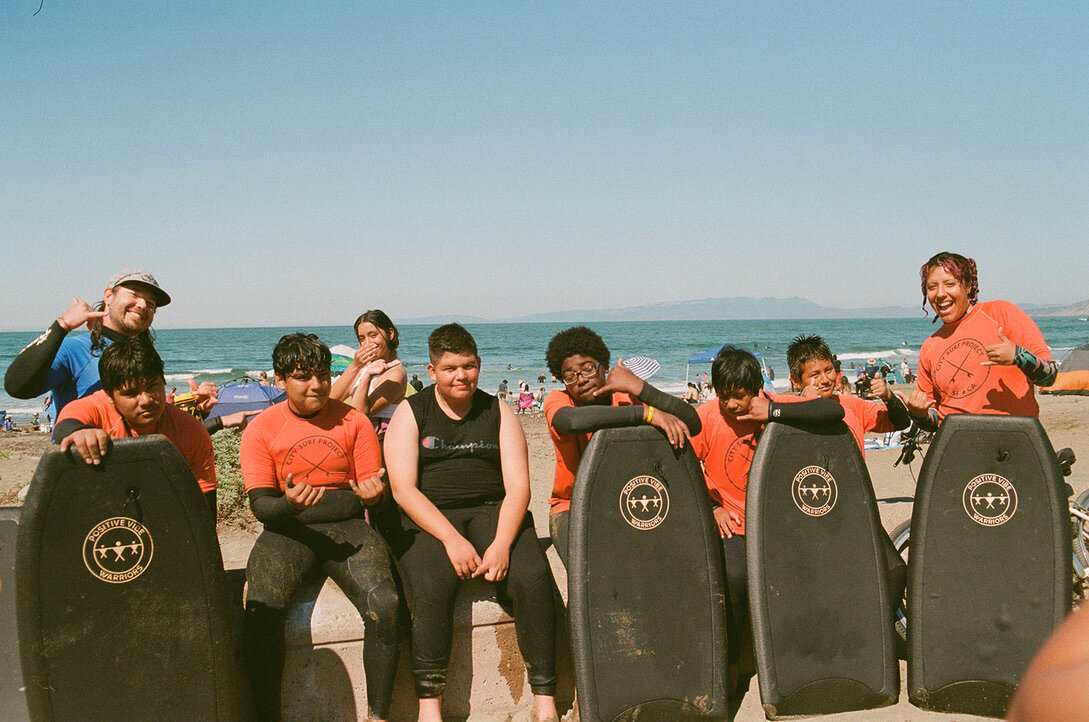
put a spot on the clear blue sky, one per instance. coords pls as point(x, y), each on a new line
point(295, 163)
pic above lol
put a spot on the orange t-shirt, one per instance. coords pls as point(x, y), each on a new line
point(326, 450)
point(861, 416)
point(725, 446)
point(185, 432)
point(951, 370)
point(569, 447)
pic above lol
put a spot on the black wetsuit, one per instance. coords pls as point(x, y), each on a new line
point(459, 473)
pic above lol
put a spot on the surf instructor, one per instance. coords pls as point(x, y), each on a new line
point(985, 358)
point(67, 365)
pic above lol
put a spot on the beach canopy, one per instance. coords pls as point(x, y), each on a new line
point(245, 395)
point(708, 356)
point(1073, 376)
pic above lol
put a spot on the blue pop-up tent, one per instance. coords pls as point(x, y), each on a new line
point(245, 395)
point(708, 356)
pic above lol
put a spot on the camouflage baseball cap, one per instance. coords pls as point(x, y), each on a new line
point(142, 278)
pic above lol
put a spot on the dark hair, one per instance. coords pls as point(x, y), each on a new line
point(381, 321)
point(734, 369)
point(804, 349)
point(451, 338)
point(575, 341)
point(300, 353)
point(961, 268)
point(98, 342)
point(129, 361)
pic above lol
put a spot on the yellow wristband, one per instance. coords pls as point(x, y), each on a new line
point(650, 413)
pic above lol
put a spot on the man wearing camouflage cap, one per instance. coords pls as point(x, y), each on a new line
point(67, 365)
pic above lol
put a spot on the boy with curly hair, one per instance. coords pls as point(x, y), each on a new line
point(579, 357)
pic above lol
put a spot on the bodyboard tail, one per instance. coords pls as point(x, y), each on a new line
point(818, 579)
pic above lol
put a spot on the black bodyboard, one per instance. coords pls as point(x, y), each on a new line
point(989, 575)
point(12, 700)
point(647, 596)
point(818, 580)
point(122, 603)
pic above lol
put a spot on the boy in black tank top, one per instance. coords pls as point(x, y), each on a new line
point(459, 469)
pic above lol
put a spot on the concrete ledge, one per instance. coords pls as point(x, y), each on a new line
point(323, 672)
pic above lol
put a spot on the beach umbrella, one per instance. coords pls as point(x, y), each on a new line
point(642, 366)
point(342, 356)
point(245, 395)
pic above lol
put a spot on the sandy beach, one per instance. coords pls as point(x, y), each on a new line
point(1063, 417)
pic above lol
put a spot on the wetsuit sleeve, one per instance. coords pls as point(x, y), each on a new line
point(28, 374)
point(817, 411)
point(270, 507)
point(213, 425)
point(64, 427)
point(584, 419)
point(1041, 372)
point(672, 405)
point(898, 413)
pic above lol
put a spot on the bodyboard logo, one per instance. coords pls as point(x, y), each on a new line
point(117, 550)
point(989, 500)
point(644, 502)
point(814, 491)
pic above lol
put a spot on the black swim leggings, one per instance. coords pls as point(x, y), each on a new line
point(431, 585)
point(353, 555)
point(738, 624)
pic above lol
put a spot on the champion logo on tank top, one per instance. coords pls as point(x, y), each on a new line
point(814, 491)
point(435, 443)
point(959, 371)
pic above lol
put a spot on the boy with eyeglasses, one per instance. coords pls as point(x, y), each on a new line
point(578, 357)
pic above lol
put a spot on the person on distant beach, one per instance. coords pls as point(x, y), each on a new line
point(501, 392)
point(459, 468)
point(986, 357)
point(132, 402)
point(416, 383)
point(310, 465)
point(541, 379)
point(588, 400)
point(262, 379)
point(525, 399)
point(375, 380)
point(730, 428)
point(692, 394)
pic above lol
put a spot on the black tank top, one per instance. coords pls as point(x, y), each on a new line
point(459, 458)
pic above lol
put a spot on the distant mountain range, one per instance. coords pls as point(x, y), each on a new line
point(737, 308)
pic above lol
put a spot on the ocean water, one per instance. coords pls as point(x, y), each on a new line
point(515, 352)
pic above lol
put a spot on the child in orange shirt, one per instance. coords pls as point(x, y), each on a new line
point(731, 426)
point(132, 402)
point(811, 370)
point(579, 357)
point(310, 464)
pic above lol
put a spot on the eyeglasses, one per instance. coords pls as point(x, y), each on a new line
point(588, 371)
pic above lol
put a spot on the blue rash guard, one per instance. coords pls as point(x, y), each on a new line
point(58, 363)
